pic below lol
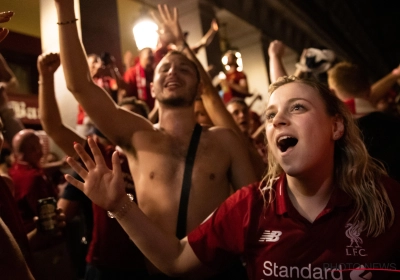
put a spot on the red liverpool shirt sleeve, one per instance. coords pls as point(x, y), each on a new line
point(221, 237)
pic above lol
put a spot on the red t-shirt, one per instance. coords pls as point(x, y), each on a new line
point(111, 246)
point(276, 242)
point(234, 77)
point(31, 184)
point(138, 81)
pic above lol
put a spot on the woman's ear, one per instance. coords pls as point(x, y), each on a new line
point(337, 127)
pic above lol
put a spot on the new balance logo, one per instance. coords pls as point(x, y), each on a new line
point(270, 236)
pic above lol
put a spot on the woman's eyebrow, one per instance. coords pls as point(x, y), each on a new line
point(270, 107)
point(297, 99)
point(291, 100)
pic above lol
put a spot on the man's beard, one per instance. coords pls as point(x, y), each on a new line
point(177, 102)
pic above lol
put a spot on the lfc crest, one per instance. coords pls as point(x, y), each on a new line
point(353, 232)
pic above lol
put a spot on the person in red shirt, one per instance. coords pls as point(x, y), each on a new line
point(235, 84)
point(324, 210)
point(30, 181)
point(139, 77)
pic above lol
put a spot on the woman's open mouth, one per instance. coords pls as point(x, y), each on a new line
point(285, 142)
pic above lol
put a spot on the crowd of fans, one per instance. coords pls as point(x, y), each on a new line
point(181, 181)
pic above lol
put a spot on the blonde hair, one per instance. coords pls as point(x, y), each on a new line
point(355, 171)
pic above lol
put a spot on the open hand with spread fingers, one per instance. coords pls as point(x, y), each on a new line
point(103, 186)
point(168, 24)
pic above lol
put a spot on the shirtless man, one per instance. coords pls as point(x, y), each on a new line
point(157, 153)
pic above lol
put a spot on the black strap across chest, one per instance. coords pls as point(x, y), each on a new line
point(187, 182)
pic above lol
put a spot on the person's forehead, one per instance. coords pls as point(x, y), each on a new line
point(93, 59)
point(293, 91)
point(176, 58)
point(236, 106)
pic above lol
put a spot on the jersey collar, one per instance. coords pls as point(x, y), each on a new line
point(283, 204)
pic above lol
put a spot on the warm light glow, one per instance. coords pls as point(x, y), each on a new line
point(239, 61)
point(240, 64)
point(145, 34)
point(224, 59)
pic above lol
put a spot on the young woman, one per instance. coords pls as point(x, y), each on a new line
point(325, 209)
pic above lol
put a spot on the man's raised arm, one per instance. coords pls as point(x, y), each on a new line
point(96, 102)
point(276, 50)
point(381, 87)
point(50, 116)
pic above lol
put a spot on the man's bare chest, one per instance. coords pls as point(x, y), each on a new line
point(161, 158)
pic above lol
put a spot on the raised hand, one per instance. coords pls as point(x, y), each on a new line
point(103, 186)
point(4, 17)
point(168, 25)
point(214, 25)
point(207, 38)
point(47, 64)
point(276, 48)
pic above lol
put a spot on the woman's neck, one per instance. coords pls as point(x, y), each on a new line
point(309, 197)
